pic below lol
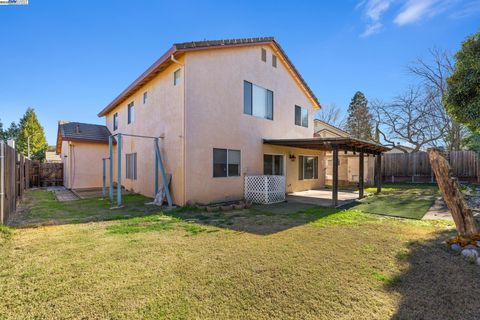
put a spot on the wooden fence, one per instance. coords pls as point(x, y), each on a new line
point(415, 167)
point(46, 174)
point(14, 179)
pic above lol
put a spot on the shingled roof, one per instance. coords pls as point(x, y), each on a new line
point(86, 132)
point(165, 60)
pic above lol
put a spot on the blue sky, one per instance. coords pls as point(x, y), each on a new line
point(68, 59)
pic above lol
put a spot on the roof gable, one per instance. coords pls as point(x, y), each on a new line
point(77, 131)
point(181, 48)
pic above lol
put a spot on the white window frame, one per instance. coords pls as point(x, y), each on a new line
point(228, 173)
point(115, 121)
point(303, 167)
point(284, 169)
point(177, 76)
point(145, 97)
point(302, 110)
point(130, 115)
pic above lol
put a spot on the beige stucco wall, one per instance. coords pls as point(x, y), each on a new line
point(83, 164)
point(205, 111)
point(215, 118)
point(161, 115)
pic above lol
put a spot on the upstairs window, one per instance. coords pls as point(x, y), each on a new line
point(145, 97)
point(301, 116)
point(257, 101)
point(131, 166)
point(264, 55)
point(226, 163)
point(274, 61)
point(131, 112)
point(115, 121)
point(176, 77)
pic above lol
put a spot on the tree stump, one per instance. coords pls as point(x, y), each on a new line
point(461, 213)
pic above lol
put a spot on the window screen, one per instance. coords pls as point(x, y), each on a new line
point(226, 163)
point(131, 112)
point(131, 166)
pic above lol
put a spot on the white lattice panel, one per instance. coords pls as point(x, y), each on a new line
point(264, 189)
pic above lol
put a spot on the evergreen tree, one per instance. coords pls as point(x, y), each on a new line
point(359, 120)
point(30, 130)
point(463, 92)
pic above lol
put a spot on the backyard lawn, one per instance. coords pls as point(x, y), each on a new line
point(287, 261)
point(401, 200)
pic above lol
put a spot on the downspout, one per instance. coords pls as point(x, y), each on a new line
point(172, 58)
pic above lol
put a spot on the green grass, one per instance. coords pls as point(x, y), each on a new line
point(312, 263)
point(401, 200)
point(42, 208)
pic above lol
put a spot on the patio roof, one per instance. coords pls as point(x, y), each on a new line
point(328, 144)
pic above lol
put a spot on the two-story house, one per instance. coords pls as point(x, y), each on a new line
point(222, 110)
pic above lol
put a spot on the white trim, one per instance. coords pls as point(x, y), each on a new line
point(284, 162)
point(303, 167)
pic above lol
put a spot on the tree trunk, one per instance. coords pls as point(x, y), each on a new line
point(462, 215)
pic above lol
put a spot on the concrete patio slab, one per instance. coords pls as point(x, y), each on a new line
point(322, 197)
point(63, 194)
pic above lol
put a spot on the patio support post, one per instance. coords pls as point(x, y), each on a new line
point(335, 177)
point(104, 178)
point(119, 170)
point(110, 150)
point(155, 142)
point(360, 175)
point(378, 172)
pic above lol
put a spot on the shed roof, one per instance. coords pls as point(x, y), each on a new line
point(179, 48)
point(84, 132)
point(328, 144)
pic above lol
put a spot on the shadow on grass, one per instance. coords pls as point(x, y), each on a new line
point(260, 220)
point(40, 208)
point(437, 283)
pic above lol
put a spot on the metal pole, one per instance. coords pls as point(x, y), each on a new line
point(164, 176)
point(2, 180)
point(110, 150)
point(119, 170)
point(155, 142)
point(104, 178)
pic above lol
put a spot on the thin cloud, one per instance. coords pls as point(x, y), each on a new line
point(411, 11)
point(373, 11)
point(415, 10)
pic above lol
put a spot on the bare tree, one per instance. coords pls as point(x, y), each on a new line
point(410, 117)
point(331, 114)
point(433, 78)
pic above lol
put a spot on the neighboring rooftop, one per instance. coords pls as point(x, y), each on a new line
point(179, 48)
point(77, 131)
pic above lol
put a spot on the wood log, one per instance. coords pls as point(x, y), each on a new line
point(461, 213)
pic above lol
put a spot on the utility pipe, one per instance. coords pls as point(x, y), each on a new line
point(184, 158)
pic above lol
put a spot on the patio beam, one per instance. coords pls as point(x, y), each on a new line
point(335, 177)
point(360, 175)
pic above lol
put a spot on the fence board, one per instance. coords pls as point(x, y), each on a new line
point(416, 166)
point(13, 171)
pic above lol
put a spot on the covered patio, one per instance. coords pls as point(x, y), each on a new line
point(336, 145)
